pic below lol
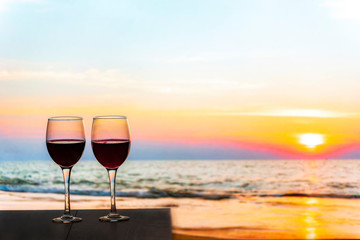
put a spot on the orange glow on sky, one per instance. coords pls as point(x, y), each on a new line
point(286, 136)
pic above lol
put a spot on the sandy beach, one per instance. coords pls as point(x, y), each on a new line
point(250, 218)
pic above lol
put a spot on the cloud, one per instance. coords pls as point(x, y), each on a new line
point(204, 86)
point(343, 9)
point(188, 59)
point(115, 78)
point(227, 55)
point(315, 113)
point(108, 77)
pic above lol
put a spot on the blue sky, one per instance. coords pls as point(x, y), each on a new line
point(123, 33)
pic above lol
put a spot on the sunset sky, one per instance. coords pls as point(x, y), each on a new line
point(202, 79)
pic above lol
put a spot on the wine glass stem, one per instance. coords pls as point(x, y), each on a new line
point(112, 179)
point(66, 174)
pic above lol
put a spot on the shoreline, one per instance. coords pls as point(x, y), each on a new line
point(249, 218)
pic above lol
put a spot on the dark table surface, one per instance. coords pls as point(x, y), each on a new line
point(144, 224)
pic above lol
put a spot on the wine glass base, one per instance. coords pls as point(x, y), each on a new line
point(66, 219)
point(113, 218)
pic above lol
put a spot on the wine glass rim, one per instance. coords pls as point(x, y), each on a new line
point(65, 118)
point(110, 117)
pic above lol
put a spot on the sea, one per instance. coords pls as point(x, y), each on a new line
point(203, 179)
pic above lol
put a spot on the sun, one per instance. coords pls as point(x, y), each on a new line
point(311, 140)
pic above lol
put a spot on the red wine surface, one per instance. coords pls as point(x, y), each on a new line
point(65, 152)
point(111, 153)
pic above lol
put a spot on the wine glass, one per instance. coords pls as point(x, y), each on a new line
point(65, 141)
point(110, 141)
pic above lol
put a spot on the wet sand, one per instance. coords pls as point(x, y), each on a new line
point(243, 218)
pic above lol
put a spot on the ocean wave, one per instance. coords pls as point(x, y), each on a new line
point(170, 193)
point(16, 181)
point(148, 193)
point(213, 180)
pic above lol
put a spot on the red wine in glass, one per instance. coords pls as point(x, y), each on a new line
point(111, 153)
point(65, 152)
point(65, 141)
point(110, 140)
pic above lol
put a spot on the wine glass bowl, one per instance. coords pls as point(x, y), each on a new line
point(110, 141)
point(65, 152)
point(111, 153)
point(65, 141)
